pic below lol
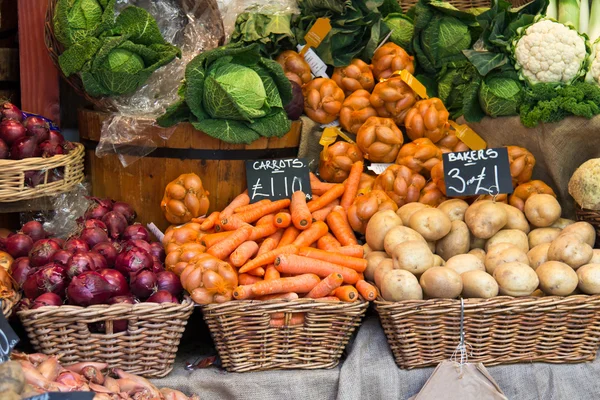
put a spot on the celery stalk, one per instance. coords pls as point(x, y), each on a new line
point(552, 10)
point(594, 23)
point(584, 16)
point(568, 12)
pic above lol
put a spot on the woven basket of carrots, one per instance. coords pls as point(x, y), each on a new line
point(280, 282)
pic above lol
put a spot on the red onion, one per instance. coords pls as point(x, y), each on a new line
point(56, 174)
point(96, 211)
point(62, 257)
point(123, 299)
point(38, 128)
point(143, 284)
point(24, 148)
point(94, 223)
point(136, 231)
point(76, 246)
point(34, 229)
point(51, 278)
point(157, 266)
point(68, 146)
point(115, 222)
point(46, 299)
point(10, 111)
point(107, 251)
point(11, 131)
point(120, 325)
point(88, 288)
point(162, 296)
point(93, 236)
point(80, 263)
point(34, 178)
point(20, 269)
point(42, 252)
point(125, 209)
point(108, 203)
point(117, 281)
point(57, 137)
point(157, 250)
point(50, 149)
point(99, 260)
point(18, 245)
point(4, 150)
point(59, 241)
point(131, 244)
point(170, 282)
point(133, 261)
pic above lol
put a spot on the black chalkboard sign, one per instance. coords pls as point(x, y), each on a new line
point(477, 172)
point(8, 338)
point(64, 396)
point(277, 178)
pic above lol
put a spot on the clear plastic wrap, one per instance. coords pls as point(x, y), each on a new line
point(68, 208)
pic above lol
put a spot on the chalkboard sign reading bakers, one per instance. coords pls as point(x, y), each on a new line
point(477, 172)
point(277, 179)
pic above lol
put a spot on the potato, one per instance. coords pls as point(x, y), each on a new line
point(583, 229)
point(431, 223)
point(479, 253)
point(478, 284)
point(516, 279)
point(413, 256)
point(366, 250)
point(542, 210)
point(454, 209)
point(556, 278)
point(516, 219)
point(457, 241)
point(477, 243)
point(595, 257)
point(465, 262)
point(383, 268)
point(486, 219)
point(538, 293)
point(441, 283)
point(11, 377)
point(589, 278)
point(562, 223)
point(514, 236)
point(438, 261)
point(379, 225)
point(542, 235)
point(397, 235)
point(10, 395)
point(407, 210)
point(503, 253)
point(538, 255)
point(373, 260)
point(570, 249)
point(431, 246)
point(400, 285)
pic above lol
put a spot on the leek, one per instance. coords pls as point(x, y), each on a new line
point(584, 16)
point(568, 12)
point(552, 10)
point(594, 25)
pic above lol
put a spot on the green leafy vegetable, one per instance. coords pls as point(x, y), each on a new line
point(233, 94)
point(501, 95)
point(402, 30)
point(273, 32)
point(75, 20)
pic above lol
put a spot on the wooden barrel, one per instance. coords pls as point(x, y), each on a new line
point(220, 165)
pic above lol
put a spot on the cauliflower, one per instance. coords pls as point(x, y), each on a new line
point(594, 74)
point(550, 52)
point(584, 185)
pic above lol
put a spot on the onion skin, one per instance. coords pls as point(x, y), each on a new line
point(24, 148)
point(108, 251)
point(50, 149)
point(136, 232)
point(95, 223)
point(99, 260)
point(46, 299)
point(11, 131)
point(10, 111)
point(96, 211)
point(132, 262)
point(116, 223)
point(135, 243)
point(62, 257)
point(42, 252)
point(35, 230)
point(126, 210)
point(93, 236)
point(143, 284)
point(37, 128)
point(76, 246)
point(170, 282)
point(51, 278)
point(18, 245)
point(117, 282)
point(157, 250)
point(20, 269)
point(88, 289)
point(80, 263)
point(162, 296)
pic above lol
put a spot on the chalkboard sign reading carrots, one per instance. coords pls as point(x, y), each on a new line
point(277, 178)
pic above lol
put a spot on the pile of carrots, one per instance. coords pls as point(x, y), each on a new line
point(291, 248)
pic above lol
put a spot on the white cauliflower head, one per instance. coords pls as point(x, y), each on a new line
point(594, 73)
point(584, 185)
point(550, 52)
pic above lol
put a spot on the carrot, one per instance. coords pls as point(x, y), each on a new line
point(326, 286)
point(268, 219)
point(246, 279)
point(244, 292)
point(301, 217)
point(199, 220)
point(279, 296)
point(317, 186)
point(357, 264)
point(328, 298)
point(267, 258)
point(214, 238)
point(297, 284)
point(346, 293)
point(237, 220)
point(341, 228)
point(270, 243)
point(312, 234)
point(210, 221)
point(294, 320)
point(283, 220)
point(366, 290)
point(353, 250)
point(247, 207)
point(294, 264)
point(327, 197)
point(243, 253)
point(259, 271)
point(321, 215)
point(271, 273)
point(241, 200)
point(328, 242)
point(261, 231)
point(289, 235)
point(352, 184)
point(225, 247)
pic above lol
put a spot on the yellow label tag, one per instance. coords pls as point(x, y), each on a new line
point(316, 34)
point(329, 136)
point(414, 84)
point(344, 136)
point(468, 136)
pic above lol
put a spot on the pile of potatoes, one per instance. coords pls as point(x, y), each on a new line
point(480, 250)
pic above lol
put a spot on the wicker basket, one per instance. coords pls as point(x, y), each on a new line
point(9, 303)
point(462, 4)
point(12, 175)
point(55, 49)
point(501, 330)
point(146, 348)
point(246, 341)
point(590, 216)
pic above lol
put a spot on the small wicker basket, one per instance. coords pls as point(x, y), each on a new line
point(9, 303)
point(146, 348)
point(12, 175)
point(590, 216)
point(500, 330)
point(462, 4)
point(246, 341)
